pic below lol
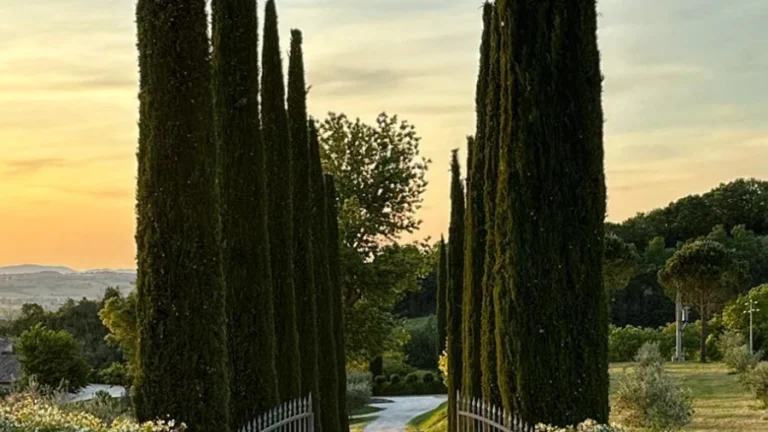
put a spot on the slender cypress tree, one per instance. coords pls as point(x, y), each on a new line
point(442, 299)
point(474, 263)
point(455, 291)
point(488, 338)
point(329, 386)
point(551, 200)
point(334, 266)
point(182, 355)
point(304, 283)
point(250, 318)
point(276, 135)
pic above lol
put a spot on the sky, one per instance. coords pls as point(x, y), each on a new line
point(684, 98)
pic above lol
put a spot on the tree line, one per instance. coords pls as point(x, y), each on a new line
point(238, 287)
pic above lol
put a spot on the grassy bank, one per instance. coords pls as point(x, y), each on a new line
point(720, 402)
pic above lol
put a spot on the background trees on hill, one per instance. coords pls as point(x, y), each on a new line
point(706, 275)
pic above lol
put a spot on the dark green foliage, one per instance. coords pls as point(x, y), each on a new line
point(380, 379)
point(250, 316)
point(428, 377)
point(474, 261)
point(277, 142)
point(489, 380)
point(412, 377)
point(553, 344)
point(421, 348)
point(455, 284)
point(376, 366)
point(394, 379)
point(182, 368)
point(334, 271)
point(329, 386)
point(304, 283)
point(53, 358)
point(442, 298)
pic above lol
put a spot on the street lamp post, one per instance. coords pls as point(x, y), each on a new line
point(751, 309)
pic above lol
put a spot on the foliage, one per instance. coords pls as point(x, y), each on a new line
point(623, 342)
point(329, 408)
point(394, 363)
point(182, 369)
point(119, 316)
point(442, 296)
point(116, 374)
point(251, 342)
point(442, 365)
point(381, 379)
point(400, 388)
point(707, 275)
point(53, 358)
point(757, 381)
point(476, 222)
point(28, 413)
point(394, 378)
point(421, 348)
point(736, 318)
point(736, 353)
point(380, 178)
point(648, 397)
point(103, 406)
point(455, 286)
point(620, 263)
point(412, 377)
point(358, 390)
point(428, 377)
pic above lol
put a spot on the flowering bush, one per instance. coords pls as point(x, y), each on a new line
point(442, 365)
point(757, 381)
point(587, 426)
point(29, 413)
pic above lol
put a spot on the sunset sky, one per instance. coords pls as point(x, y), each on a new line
point(685, 98)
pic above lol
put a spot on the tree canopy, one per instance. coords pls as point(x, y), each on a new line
point(54, 358)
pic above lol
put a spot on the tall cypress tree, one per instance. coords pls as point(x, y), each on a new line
point(251, 325)
point(474, 264)
point(277, 141)
point(304, 283)
point(489, 378)
point(182, 355)
point(442, 299)
point(455, 285)
point(334, 267)
point(329, 386)
point(551, 200)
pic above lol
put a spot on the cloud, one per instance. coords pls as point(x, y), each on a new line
point(31, 166)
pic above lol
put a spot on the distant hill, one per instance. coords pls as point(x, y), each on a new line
point(34, 268)
point(51, 286)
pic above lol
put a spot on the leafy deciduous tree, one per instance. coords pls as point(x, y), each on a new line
point(53, 358)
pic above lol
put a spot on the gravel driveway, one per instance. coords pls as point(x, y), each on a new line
point(401, 410)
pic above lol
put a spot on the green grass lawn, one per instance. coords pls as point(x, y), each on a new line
point(720, 402)
point(357, 424)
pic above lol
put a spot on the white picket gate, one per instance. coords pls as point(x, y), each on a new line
point(293, 416)
point(474, 415)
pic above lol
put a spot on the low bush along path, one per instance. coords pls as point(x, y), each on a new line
point(396, 414)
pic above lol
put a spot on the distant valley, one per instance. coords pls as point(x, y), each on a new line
point(51, 286)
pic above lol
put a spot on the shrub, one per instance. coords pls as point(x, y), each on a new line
point(412, 377)
point(28, 412)
point(115, 374)
point(421, 348)
point(736, 354)
point(381, 379)
point(394, 378)
point(54, 358)
point(394, 363)
point(648, 397)
point(757, 381)
point(442, 365)
point(428, 377)
point(409, 388)
point(103, 406)
point(623, 342)
point(359, 389)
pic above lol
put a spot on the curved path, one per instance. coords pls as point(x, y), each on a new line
point(396, 414)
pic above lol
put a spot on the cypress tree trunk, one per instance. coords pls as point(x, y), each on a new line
point(490, 384)
point(474, 266)
point(280, 220)
point(251, 325)
point(455, 283)
point(329, 386)
point(334, 266)
point(442, 299)
point(552, 203)
point(182, 355)
point(304, 283)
